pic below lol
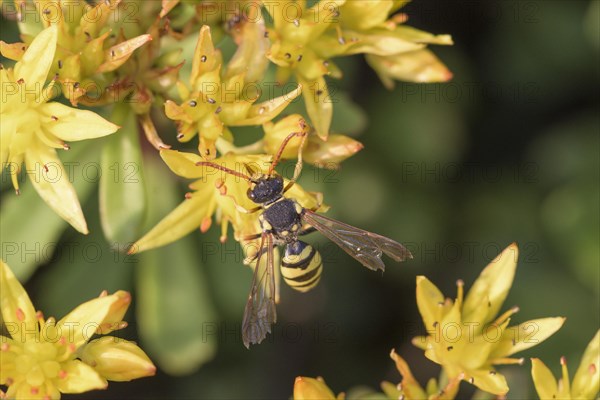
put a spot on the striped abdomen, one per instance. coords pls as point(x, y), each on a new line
point(301, 266)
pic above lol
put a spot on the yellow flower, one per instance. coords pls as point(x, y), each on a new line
point(86, 47)
point(313, 389)
point(410, 389)
point(33, 128)
point(322, 153)
point(212, 103)
point(586, 383)
point(467, 338)
point(214, 192)
point(43, 358)
point(306, 39)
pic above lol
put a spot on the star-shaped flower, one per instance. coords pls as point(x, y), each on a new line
point(33, 127)
point(212, 102)
point(585, 384)
point(214, 193)
point(43, 358)
point(467, 338)
point(410, 389)
point(306, 38)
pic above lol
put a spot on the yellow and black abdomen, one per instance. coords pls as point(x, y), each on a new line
point(301, 266)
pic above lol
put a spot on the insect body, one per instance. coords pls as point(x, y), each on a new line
point(283, 221)
point(301, 265)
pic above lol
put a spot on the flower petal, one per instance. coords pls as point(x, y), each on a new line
point(429, 299)
point(80, 378)
point(12, 51)
point(51, 181)
point(419, 66)
point(319, 105)
point(72, 124)
point(181, 221)
point(489, 291)
point(118, 54)
point(494, 383)
point(182, 163)
point(116, 359)
point(37, 60)
point(206, 57)
point(18, 312)
point(543, 380)
point(266, 111)
point(586, 382)
point(410, 386)
point(114, 317)
point(330, 153)
point(526, 335)
point(250, 56)
point(82, 323)
point(311, 389)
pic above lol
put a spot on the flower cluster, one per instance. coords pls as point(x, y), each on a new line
point(94, 56)
point(467, 338)
point(43, 358)
point(33, 127)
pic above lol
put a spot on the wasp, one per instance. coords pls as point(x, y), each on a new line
point(283, 221)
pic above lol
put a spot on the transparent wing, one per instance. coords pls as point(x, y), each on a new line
point(366, 247)
point(260, 312)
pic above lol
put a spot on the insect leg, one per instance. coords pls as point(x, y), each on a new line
point(298, 168)
point(307, 230)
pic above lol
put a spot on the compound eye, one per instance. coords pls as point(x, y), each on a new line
point(250, 194)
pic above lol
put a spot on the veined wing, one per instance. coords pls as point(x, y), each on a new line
point(260, 312)
point(366, 247)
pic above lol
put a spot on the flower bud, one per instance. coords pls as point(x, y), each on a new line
point(329, 154)
point(275, 133)
point(117, 359)
point(114, 317)
point(310, 388)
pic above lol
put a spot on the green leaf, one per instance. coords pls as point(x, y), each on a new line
point(177, 320)
point(122, 189)
point(82, 266)
point(29, 229)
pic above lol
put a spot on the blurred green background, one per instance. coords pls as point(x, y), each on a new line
point(507, 151)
